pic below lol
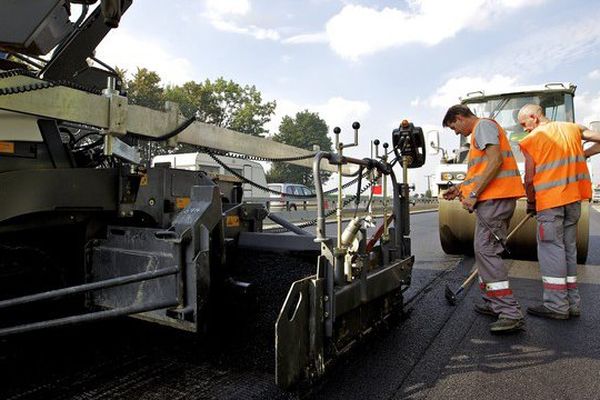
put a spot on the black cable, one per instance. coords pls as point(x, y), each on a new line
point(90, 145)
point(80, 138)
point(168, 135)
point(327, 215)
point(257, 158)
point(267, 189)
point(357, 200)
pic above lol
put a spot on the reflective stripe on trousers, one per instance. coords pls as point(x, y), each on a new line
point(492, 269)
point(557, 254)
point(498, 289)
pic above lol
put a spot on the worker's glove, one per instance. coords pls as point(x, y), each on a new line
point(531, 208)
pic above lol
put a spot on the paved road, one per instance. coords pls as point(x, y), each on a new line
point(438, 352)
point(444, 352)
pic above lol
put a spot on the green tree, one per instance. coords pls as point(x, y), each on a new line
point(145, 90)
point(224, 103)
point(304, 131)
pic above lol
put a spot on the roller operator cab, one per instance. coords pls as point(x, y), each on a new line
point(457, 226)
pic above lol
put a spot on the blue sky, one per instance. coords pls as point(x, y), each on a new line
point(377, 62)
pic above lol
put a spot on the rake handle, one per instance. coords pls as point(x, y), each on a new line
point(519, 225)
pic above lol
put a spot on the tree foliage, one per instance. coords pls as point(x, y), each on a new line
point(145, 90)
point(304, 131)
point(223, 103)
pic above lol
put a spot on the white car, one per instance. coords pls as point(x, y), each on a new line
point(287, 201)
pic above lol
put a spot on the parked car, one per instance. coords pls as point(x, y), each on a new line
point(286, 201)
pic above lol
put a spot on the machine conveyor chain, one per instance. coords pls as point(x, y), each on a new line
point(43, 84)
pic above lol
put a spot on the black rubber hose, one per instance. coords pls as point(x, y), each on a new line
point(169, 135)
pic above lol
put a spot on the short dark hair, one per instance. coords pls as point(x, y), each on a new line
point(454, 111)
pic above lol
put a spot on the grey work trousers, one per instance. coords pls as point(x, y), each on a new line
point(557, 253)
point(493, 273)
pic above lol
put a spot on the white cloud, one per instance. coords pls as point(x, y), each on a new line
point(222, 7)
point(228, 16)
point(251, 30)
point(130, 51)
point(336, 111)
point(320, 37)
point(519, 3)
point(358, 30)
point(542, 51)
point(449, 93)
point(415, 102)
point(595, 74)
point(587, 108)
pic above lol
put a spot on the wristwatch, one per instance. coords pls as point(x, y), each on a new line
point(473, 195)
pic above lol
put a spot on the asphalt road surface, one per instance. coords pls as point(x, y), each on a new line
point(437, 352)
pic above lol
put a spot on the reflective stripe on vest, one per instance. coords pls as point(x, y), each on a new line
point(498, 289)
point(507, 182)
point(559, 163)
point(562, 182)
point(502, 174)
point(561, 172)
point(481, 159)
point(553, 283)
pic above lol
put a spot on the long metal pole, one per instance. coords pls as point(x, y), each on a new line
point(339, 196)
point(107, 283)
point(94, 316)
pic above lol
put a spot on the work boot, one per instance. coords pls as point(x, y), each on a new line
point(574, 312)
point(484, 309)
point(544, 312)
point(507, 325)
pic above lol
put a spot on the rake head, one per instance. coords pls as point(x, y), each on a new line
point(450, 296)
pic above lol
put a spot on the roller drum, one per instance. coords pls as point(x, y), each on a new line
point(457, 226)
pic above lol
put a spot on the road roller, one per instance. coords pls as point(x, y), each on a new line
point(456, 226)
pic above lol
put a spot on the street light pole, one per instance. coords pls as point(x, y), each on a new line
point(429, 182)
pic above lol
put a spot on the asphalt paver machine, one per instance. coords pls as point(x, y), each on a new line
point(88, 232)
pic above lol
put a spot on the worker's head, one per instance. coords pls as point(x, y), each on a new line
point(460, 119)
point(531, 116)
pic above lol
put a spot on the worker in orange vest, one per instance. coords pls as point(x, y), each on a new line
point(556, 180)
point(492, 186)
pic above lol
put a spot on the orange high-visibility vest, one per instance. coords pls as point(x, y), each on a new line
point(506, 184)
point(561, 173)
